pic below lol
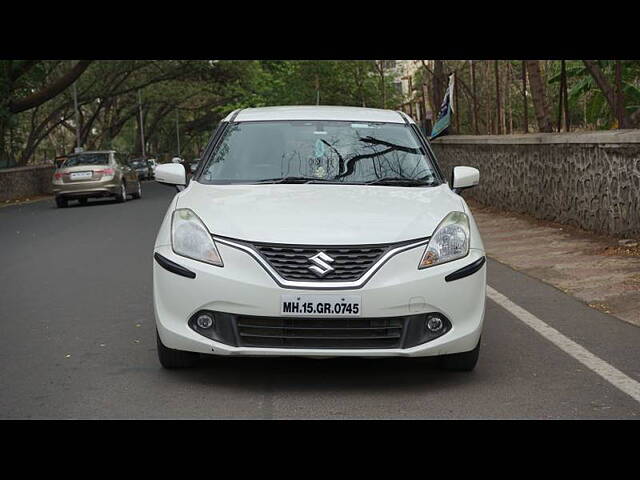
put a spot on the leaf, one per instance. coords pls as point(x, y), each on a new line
point(580, 88)
point(594, 107)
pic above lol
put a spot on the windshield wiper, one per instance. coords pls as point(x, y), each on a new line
point(291, 180)
point(400, 181)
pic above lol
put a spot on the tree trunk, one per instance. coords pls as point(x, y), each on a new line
point(524, 97)
point(567, 120)
point(560, 93)
point(538, 96)
point(498, 114)
point(4, 151)
point(475, 103)
point(428, 111)
point(49, 91)
point(507, 92)
point(624, 121)
point(438, 89)
point(619, 95)
point(486, 91)
point(428, 93)
point(455, 100)
point(380, 68)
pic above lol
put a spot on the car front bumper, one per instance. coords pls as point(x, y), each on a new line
point(243, 287)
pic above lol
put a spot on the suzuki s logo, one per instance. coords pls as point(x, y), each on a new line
point(321, 261)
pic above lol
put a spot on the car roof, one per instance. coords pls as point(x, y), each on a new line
point(91, 151)
point(318, 112)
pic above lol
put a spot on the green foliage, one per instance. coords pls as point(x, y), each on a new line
point(189, 96)
point(306, 82)
point(192, 96)
point(584, 93)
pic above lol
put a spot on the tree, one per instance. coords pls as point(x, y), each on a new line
point(539, 96)
point(37, 117)
point(614, 97)
point(49, 91)
point(383, 91)
point(28, 84)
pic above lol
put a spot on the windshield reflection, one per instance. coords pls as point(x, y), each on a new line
point(87, 159)
point(326, 151)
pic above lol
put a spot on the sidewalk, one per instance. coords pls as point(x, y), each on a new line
point(593, 268)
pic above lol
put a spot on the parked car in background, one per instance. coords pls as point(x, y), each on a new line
point(95, 174)
point(152, 165)
point(319, 232)
point(59, 160)
point(141, 167)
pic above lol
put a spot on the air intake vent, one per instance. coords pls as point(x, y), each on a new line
point(334, 333)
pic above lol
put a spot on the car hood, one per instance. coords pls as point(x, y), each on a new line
point(316, 214)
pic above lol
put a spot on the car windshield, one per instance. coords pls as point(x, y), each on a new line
point(319, 151)
point(87, 159)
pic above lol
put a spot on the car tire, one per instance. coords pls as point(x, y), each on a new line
point(122, 196)
point(83, 201)
point(138, 193)
point(460, 362)
point(170, 358)
point(61, 202)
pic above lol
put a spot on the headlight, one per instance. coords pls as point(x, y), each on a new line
point(190, 238)
point(449, 242)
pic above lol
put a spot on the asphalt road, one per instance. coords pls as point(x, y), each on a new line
point(77, 341)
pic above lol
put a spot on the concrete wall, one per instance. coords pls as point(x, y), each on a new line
point(588, 180)
point(23, 182)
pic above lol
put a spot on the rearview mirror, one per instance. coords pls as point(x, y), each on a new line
point(464, 177)
point(171, 174)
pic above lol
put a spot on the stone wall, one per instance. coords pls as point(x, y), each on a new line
point(21, 182)
point(588, 180)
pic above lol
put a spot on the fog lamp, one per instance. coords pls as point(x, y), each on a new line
point(204, 321)
point(434, 324)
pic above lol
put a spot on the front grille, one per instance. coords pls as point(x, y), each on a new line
point(278, 332)
point(349, 263)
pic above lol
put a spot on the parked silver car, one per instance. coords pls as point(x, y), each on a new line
point(95, 174)
point(142, 168)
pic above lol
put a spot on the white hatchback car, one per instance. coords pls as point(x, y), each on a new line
point(319, 232)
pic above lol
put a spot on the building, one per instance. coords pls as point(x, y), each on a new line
point(415, 97)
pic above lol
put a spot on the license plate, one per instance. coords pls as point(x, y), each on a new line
point(80, 175)
point(321, 305)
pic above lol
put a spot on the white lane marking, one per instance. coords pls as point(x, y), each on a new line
point(607, 371)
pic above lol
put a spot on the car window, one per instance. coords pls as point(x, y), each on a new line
point(82, 159)
point(337, 151)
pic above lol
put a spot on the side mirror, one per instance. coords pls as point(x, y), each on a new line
point(464, 177)
point(171, 174)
